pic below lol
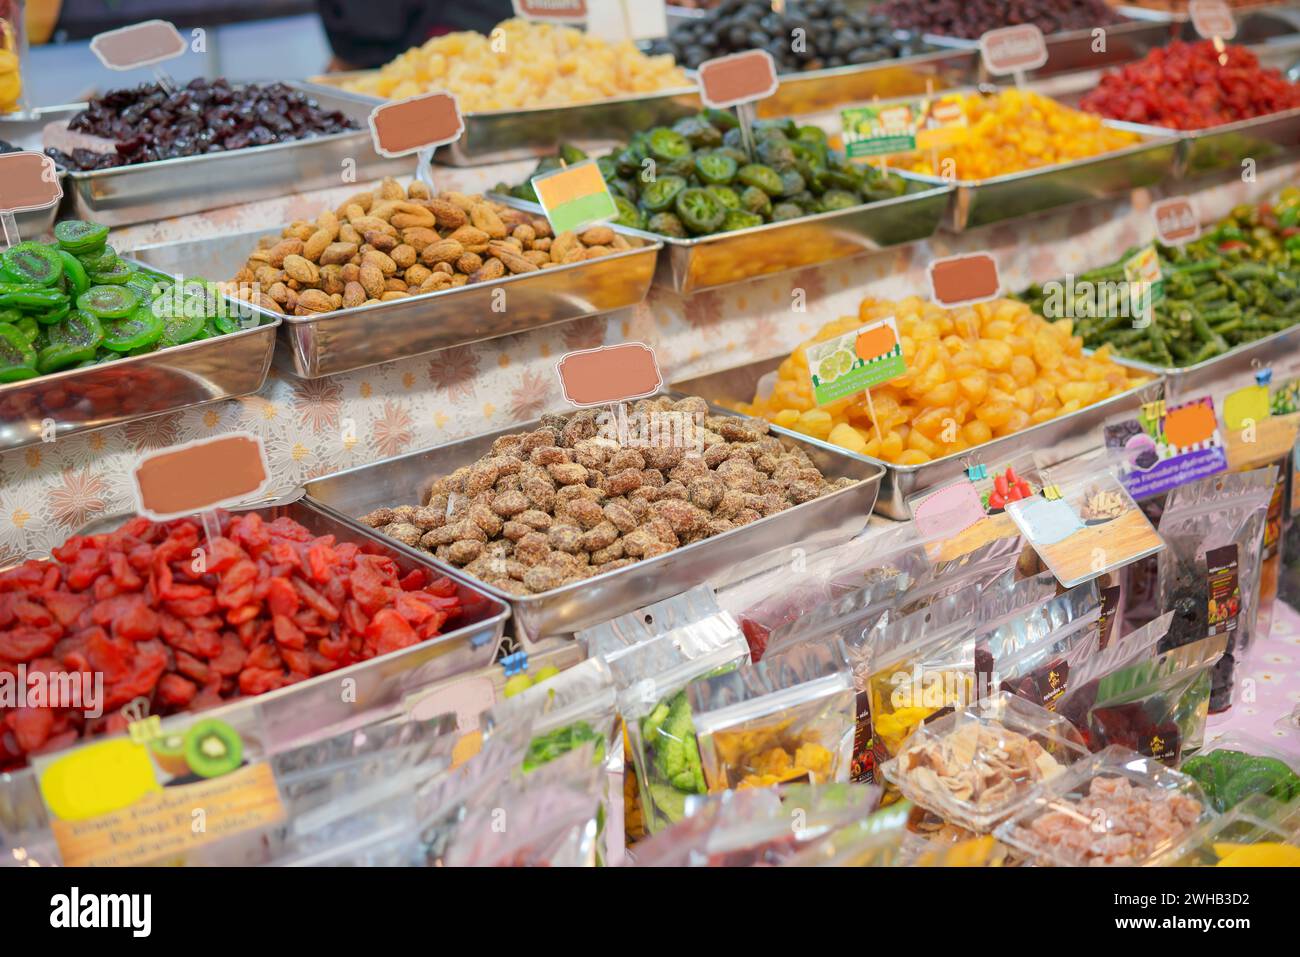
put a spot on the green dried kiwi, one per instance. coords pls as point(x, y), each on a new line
point(108, 301)
point(79, 237)
point(142, 328)
point(33, 263)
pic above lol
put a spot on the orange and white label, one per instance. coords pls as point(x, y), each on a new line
point(562, 11)
point(609, 374)
point(1013, 49)
point(200, 475)
point(28, 181)
point(965, 280)
point(416, 123)
point(1213, 19)
point(1176, 221)
point(141, 44)
point(739, 78)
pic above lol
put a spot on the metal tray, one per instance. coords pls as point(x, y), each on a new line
point(314, 709)
point(984, 202)
point(499, 136)
point(368, 335)
point(1190, 381)
point(190, 184)
point(54, 406)
point(1054, 441)
point(706, 262)
point(824, 521)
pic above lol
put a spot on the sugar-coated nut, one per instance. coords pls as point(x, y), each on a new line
point(286, 247)
point(733, 500)
point(661, 529)
point(581, 426)
point(598, 236)
point(403, 255)
point(587, 514)
point(621, 483)
point(404, 532)
point(465, 552)
point(372, 280)
point(535, 518)
point(491, 269)
point(532, 548)
point(567, 473)
point(514, 531)
point(542, 578)
point(626, 459)
point(673, 489)
point(717, 526)
point(565, 538)
point(637, 541)
point(550, 455)
point(430, 516)
point(510, 504)
point(486, 519)
point(801, 491)
point(705, 493)
point(315, 300)
point(621, 516)
point(612, 552)
point(378, 518)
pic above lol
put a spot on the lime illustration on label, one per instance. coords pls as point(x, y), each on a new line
point(855, 361)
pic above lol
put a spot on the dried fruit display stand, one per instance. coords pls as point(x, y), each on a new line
point(446, 553)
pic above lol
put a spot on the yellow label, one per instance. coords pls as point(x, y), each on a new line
point(1250, 403)
point(171, 821)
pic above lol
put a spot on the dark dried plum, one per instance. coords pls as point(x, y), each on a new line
point(971, 18)
point(148, 124)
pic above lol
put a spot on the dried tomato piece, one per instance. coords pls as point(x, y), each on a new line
point(176, 692)
point(389, 631)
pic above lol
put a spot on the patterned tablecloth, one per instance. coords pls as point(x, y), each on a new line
point(311, 428)
point(1273, 670)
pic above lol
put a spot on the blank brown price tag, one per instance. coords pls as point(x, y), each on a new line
point(609, 374)
point(1213, 19)
point(965, 280)
point(28, 181)
point(738, 78)
point(141, 44)
point(561, 11)
point(1176, 221)
point(1013, 49)
point(200, 475)
point(416, 123)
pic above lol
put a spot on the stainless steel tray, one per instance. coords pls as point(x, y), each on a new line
point(499, 136)
point(1054, 441)
point(824, 521)
point(984, 202)
point(314, 709)
point(54, 406)
point(1190, 381)
point(705, 262)
point(368, 335)
point(175, 187)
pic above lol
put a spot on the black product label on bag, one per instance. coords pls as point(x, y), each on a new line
point(1109, 606)
point(1042, 686)
point(1224, 603)
point(1273, 521)
point(863, 768)
point(1164, 743)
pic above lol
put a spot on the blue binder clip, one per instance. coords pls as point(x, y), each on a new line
point(977, 472)
point(1263, 377)
point(515, 664)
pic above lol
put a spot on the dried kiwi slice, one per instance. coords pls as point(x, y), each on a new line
point(142, 328)
point(116, 273)
point(73, 341)
point(109, 302)
point(181, 323)
point(98, 258)
point(17, 357)
point(78, 281)
point(79, 237)
point(33, 263)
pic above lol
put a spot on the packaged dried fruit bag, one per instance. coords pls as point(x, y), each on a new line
point(1210, 569)
point(788, 718)
point(1087, 673)
point(753, 828)
point(1157, 707)
point(652, 679)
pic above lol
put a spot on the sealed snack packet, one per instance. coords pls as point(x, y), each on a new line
point(1086, 672)
point(1010, 595)
point(652, 679)
point(873, 841)
point(1157, 707)
point(551, 817)
point(1258, 832)
point(1210, 571)
point(1030, 655)
point(933, 842)
point(1117, 808)
point(789, 718)
point(648, 623)
point(761, 827)
point(977, 766)
point(1233, 767)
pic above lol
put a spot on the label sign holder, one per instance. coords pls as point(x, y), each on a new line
point(1213, 20)
point(632, 20)
point(28, 181)
point(1176, 221)
point(608, 375)
point(739, 80)
point(1013, 51)
point(418, 124)
point(957, 281)
point(148, 43)
point(575, 196)
point(551, 11)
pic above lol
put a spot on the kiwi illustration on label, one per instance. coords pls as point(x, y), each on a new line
point(213, 748)
point(169, 754)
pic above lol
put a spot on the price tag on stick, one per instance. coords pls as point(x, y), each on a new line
point(1176, 221)
point(552, 11)
point(148, 43)
point(417, 124)
point(965, 280)
point(575, 197)
point(739, 80)
point(1013, 50)
point(609, 374)
point(28, 181)
point(1213, 20)
point(619, 20)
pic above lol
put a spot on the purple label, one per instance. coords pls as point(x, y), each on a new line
point(1154, 462)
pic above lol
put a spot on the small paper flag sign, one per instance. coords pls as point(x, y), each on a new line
point(619, 20)
point(141, 44)
point(28, 181)
point(728, 81)
point(977, 473)
point(416, 123)
point(1015, 49)
point(1212, 19)
point(1247, 405)
point(575, 197)
point(1051, 492)
point(609, 374)
point(200, 475)
point(879, 129)
point(555, 11)
point(855, 361)
point(1176, 221)
point(964, 280)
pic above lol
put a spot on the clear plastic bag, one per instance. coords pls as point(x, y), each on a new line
point(756, 828)
point(873, 841)
point(977, 766)
point(1210, 569)
point(1086, 673)
point(1258, 832)
point(1233, 767)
